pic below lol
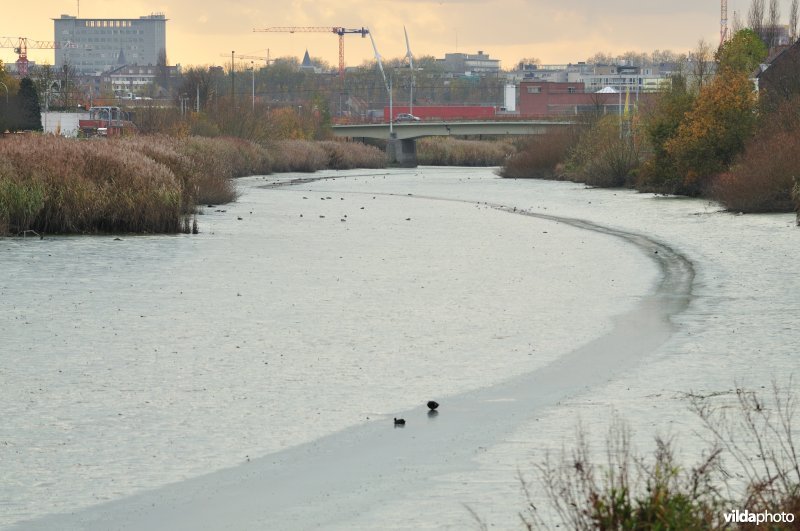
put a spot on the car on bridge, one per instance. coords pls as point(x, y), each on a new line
point(406, 117)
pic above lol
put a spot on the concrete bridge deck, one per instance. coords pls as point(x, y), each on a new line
point(412, 130)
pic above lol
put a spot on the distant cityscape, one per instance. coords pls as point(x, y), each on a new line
point(127, 59)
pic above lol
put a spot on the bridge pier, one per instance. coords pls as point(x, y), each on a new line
point(402, 152)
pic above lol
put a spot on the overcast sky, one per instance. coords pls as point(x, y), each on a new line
point(562, 31)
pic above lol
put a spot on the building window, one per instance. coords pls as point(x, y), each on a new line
point(534, 90)
point(571, 90)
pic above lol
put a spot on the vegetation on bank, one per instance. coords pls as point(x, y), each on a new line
point(444, 151)
point(751, 463)
point(712, 138)
point(144, 184)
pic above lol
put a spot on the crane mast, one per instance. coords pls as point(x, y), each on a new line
point(338, 30)
point(723, 21)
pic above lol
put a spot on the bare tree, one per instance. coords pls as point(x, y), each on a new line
point(755, 17)
point(793, 20)
point(700, 60)
point(738, 25)
point(773, 21)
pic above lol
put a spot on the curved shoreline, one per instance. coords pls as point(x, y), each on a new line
point(339, 476)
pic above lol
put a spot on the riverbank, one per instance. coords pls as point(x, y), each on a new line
point(143, 184)
point(480, 298)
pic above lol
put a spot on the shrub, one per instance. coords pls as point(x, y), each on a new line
point(764, 176)
point(751, 438)
point(763, 179)
point(605, 155)
point(539, 157)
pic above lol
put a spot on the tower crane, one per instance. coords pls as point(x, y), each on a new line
point(341, 32)
point(21, 45)
point(723, 21)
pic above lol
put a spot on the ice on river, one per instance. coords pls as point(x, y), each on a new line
point(342, 302)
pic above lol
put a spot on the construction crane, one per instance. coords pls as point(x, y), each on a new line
point(21, 45)
point(341, 32)
point(723, 21)
point(266, 59)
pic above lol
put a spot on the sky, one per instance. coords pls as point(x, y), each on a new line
point(200, 32)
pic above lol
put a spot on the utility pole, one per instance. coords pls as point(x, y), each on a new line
point(253, 68)
point(233, 100)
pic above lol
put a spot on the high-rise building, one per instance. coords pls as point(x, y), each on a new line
point(95, 45)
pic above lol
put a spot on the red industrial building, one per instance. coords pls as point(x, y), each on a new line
point(549, 98)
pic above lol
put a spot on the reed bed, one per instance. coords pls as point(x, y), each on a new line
point(309, 156)
point(145, 184)
point(349, 155)
point(205, 166)
point(455, 152)
point(55, 185)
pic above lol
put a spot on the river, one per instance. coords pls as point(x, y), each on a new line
point(276, 346)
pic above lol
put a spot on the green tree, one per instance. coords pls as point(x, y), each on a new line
point(661, 123)
point(28, 116)
point(743, 53)
point(8, 90)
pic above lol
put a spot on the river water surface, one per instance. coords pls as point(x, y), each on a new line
point(309, 309)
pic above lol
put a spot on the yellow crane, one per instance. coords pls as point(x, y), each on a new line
point(337, 30)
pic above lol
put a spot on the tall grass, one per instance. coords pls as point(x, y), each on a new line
point(455, 152)
point(52, 184)
point(143, 183)
point(309, 156)
point(349, 155)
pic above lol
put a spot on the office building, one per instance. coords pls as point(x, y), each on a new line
point(95, 45)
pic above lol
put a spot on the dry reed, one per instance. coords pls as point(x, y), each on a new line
point(456, 152)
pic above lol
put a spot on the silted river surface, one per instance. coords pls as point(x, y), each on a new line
point(247, 377)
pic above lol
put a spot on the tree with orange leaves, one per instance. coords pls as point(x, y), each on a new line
point(715, 130)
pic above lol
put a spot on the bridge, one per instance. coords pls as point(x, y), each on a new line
point(402, 148)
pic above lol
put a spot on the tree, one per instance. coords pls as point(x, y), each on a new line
point(163, 69)
point(527, 61)
point(701, 62)
point(67, 77)
point(793, 21)
point(661, 123)
point(755, 17)
point(713, 133)
point(738, 25)
point(773, 21)
point(29, 115)
point(743, 52)
point(8, 90)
